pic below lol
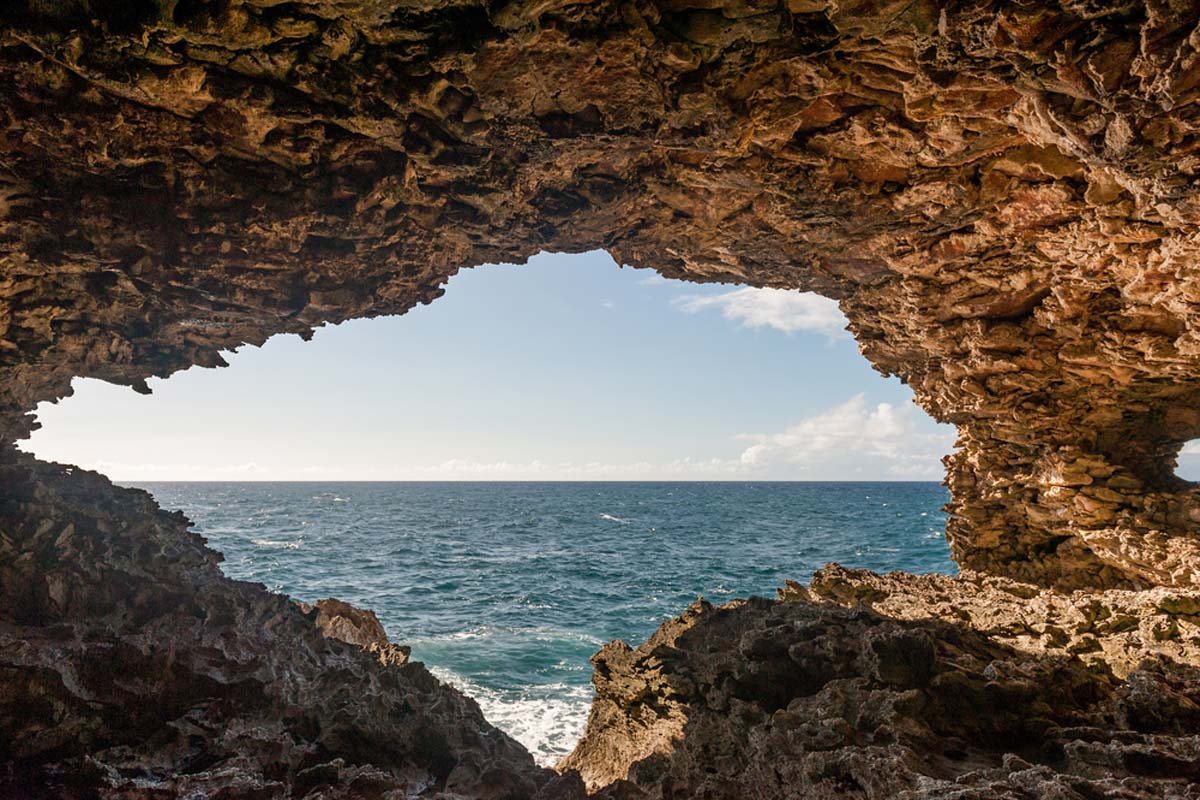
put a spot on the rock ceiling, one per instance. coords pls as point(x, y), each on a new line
point(1003, 202)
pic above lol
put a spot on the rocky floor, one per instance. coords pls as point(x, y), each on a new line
point(803, 698)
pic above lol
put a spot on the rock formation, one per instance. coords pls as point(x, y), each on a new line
point(358, 626)
point(130, 667)
point(773, 700)
point(1000, 196)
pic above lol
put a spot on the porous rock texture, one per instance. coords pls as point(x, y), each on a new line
point(1001, 196)
point(770, 699)
point(1116, 629)
point(354, 625)
point(1003, 200)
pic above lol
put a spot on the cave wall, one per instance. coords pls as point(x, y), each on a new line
point(1001, 199)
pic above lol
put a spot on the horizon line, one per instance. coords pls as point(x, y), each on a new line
point(510, 480)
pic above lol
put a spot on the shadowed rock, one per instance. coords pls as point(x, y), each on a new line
point(130, 667)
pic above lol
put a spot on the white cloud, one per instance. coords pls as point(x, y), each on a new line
point(781, 309)
point(849, 441)
point(850, 437)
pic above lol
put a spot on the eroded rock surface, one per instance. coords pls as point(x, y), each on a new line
point(131, 668)
point(1003, 199)
point(1116, 628)
point(791, 699)
point(354, 625)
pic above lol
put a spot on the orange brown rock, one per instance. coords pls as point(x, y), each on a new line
point(1002, 201)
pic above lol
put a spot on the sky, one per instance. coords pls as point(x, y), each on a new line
point(565, 368)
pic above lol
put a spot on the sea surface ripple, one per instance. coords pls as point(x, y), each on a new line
point(506, 589)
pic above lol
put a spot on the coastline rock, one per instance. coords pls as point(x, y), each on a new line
point(791, 699)
point(131, 668)
point(1116, 628)
point(342, 621)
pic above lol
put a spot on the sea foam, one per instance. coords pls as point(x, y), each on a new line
point(547, 719)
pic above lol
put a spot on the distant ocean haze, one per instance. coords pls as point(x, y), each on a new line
point(507, 589)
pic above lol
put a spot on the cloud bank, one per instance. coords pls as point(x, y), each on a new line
point(845, 438)
point(853, 440)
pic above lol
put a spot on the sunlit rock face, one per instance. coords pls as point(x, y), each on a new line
point(1002, 201)
point(796, 701)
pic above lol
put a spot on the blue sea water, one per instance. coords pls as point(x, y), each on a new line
point(506, 589)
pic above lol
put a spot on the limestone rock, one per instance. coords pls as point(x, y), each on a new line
point(1116, 628)
point(358, 626)
point(791, 699)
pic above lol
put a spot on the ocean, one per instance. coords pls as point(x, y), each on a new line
point(506, 589)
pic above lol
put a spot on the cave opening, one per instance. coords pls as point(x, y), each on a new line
point(549, 457)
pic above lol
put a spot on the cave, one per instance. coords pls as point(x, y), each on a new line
point(1001, 199)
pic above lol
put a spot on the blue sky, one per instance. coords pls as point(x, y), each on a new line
point(563, 368)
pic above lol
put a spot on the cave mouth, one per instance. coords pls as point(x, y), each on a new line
point(505, 578)
point(506, 589)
